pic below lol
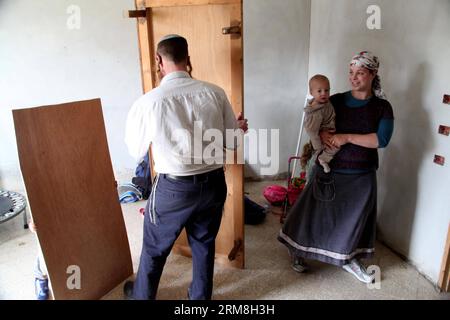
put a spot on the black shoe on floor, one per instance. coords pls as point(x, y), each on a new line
point(128, 290)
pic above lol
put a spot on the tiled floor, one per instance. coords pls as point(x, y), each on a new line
point(267, 275)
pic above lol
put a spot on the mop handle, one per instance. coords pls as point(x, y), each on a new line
point(299, 142)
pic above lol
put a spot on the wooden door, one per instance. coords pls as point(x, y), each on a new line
point(72, 194)
point(216, 58)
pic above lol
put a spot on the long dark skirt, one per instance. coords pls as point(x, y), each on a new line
point(334, 219)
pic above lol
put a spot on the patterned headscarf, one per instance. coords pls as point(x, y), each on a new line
point(369, 61)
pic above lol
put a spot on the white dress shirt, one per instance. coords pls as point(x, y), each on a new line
point(168, 116)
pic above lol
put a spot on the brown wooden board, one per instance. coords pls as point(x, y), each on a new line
point(146, 49)
point(72, 195)
point(218, 59)
point(179, 3)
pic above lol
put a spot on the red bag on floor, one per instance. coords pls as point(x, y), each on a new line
point(296, 186)
point(276, 195)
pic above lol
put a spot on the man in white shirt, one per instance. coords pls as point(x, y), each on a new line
point(189, 190)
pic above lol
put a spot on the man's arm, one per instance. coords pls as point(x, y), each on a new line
point(234, 123)
point(242, 122)
point(137, 135)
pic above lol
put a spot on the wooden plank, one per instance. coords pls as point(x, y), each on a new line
point(146, 49)
point(233, 231)
point(208, 48)
point(179, 3)
point(219, 258)
point(72, 195)
point(237, 170)
point(444, 279)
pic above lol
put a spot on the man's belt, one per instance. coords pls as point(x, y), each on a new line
point(201, 177)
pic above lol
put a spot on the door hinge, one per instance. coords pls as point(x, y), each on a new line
point(137, 14)
point(232, 30)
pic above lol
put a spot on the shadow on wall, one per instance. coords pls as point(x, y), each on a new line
point(398, 184)
point(250, 172)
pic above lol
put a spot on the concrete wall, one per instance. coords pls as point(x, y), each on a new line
point(44, 62)
point(414, 47)
point(275, 71)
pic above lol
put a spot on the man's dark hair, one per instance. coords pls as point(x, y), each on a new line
point(174, 49)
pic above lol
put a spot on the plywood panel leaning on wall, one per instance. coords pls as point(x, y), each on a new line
point(71, 190)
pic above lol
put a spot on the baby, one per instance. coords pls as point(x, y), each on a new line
point(319, 115)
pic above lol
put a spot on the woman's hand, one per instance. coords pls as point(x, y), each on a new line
point(326, 136)
point(332, 140)
point(338, 140)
